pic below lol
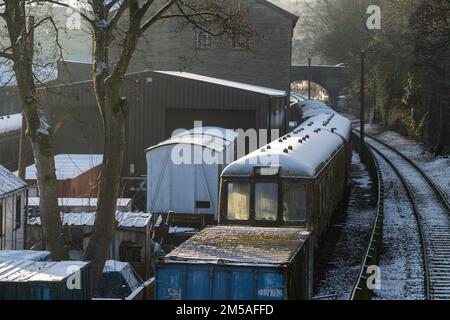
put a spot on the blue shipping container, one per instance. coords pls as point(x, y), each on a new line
point(238, 263)
point(42, 280)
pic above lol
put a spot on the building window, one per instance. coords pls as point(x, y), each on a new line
point(203, 40)
point(18, 212)
point(239, 41)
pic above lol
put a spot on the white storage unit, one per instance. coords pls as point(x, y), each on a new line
point(184, 172)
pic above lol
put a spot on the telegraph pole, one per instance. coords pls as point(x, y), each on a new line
point(361, 118)
point(309, 76)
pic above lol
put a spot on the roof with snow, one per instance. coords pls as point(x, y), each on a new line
point(78, 202)
point(232, 244)
point(42, 74)
point(124, 219)
point(69, 166)
point(227, 83)
point(302, 153)
point(119, 279)
point(24, 255)
point(214, 138)
point(311, 108)
point(9, 182)
point(37, 271)
point(332, 122)
point(10, 123)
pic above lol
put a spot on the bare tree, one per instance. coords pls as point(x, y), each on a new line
point(19, 49)
point(121, 23)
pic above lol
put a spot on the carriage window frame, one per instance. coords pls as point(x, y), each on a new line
point(279, 181)
point(249, 200)
point(288, 184)
point(276, 184)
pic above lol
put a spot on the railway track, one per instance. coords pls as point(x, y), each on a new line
point(432, 211)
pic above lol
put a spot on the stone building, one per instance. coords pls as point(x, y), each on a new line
point(173, 45)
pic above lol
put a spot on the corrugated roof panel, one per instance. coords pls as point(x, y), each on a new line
point(24, 255)
point(227, 83)
point(215, 138)
point(9, 182)
point(29, 271)
point(124, 219)
point(78, 202)
point(69, 166)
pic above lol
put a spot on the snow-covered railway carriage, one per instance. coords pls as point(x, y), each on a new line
point(298, 180)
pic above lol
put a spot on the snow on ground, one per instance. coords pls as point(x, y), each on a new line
point(436, 168)
point(401, 260)
point(342, 252)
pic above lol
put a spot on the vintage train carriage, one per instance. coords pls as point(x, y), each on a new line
point(298, 180)
point(311, 108)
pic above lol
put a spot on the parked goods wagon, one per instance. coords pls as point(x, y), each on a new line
point(238, 263)
point(44, 280)
point(184, 171)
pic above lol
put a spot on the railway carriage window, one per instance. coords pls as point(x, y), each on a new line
point(294, 202)
point(266, 201)
point(238, 201)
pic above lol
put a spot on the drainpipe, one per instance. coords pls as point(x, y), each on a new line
point(270, 119)
point(25, 221)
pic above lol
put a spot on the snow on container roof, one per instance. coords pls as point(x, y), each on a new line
point(314, 107)
point(124, 219)
point(241, 245)
point(126, 270)
point(9, 182)
point(69, 166)
point(37, 271)
point(302, 154)
point(78, 202)
point(227, 83)
point(10, 123)
point(214, 138)
point(24, 255)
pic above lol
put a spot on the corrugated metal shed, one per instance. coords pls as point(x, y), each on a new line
point(158, 104)
point(241, 245)
point(69, 166)
point(124, 219)
point(9, 182)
